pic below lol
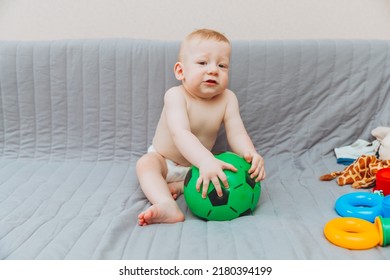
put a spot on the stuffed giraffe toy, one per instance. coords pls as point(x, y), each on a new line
point(362, 173)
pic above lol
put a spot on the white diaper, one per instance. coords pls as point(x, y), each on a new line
point(175, 172)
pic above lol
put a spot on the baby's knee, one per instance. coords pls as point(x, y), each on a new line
point(148, 162)
point(143, 162)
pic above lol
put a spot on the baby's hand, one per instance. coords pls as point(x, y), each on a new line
point(257, 166)
point(211, 170)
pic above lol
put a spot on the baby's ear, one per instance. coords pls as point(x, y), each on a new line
point(178, 69)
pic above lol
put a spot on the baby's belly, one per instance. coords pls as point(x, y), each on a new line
point(175, 157)
point(172, 153)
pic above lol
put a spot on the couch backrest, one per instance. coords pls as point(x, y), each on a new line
point(298, 94)
point(88, 99)
point(101, 99)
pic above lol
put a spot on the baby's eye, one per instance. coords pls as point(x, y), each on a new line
point(223, 66)
point(202, 63)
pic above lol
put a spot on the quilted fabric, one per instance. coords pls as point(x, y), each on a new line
point(75, 115)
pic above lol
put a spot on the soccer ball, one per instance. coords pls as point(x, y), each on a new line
point(238, 200)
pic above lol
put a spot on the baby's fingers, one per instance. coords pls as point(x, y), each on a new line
point(222, 178)
point(254, 170)
point(258, 174)
point(205, 188)
point(199, 184)
point(261, 175)
point(217, 184)
point(228, 166)
point(204, 184)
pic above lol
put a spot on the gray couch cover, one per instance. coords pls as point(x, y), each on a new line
point(75, 115)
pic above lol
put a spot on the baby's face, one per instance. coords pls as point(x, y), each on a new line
point(205, 66)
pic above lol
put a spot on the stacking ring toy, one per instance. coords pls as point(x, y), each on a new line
point(361, 205)
point(383, 226)
point(352, 233)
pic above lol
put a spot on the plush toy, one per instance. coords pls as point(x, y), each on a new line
point(383, 135)
point(361, 173)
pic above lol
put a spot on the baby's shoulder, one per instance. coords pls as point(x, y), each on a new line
point(174, 97)
point(230, 96)
point(174, 92)
point(229, 93)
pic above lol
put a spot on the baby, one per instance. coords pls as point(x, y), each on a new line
point(188, 127)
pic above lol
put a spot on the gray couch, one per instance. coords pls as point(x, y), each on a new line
point(75, 115)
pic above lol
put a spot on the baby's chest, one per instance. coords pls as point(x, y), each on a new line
point(206, 119)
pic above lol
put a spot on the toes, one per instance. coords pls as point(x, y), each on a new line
point(141, 219)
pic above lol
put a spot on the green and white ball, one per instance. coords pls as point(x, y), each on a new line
point(238, 200)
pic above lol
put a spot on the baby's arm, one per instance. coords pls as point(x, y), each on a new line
point(239, 140)
point(210, 168)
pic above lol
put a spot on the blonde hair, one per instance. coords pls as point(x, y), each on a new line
point(203, 34)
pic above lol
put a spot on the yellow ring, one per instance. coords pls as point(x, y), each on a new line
point(352, 233)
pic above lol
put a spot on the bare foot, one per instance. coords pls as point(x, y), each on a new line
point(176, 188)
point(167, 212)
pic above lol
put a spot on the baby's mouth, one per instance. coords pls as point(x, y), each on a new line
point(211, 82)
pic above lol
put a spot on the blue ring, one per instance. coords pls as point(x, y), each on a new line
point(361, 205)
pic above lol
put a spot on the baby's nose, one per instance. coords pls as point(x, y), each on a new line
point(212, 68)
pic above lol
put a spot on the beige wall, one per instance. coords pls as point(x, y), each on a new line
point(173, 19)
